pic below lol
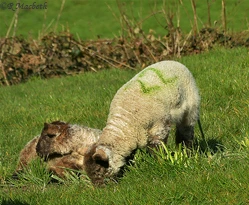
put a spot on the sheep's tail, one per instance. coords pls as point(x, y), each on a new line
point(201, 130)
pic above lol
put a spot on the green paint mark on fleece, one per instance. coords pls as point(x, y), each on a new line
point(160, 75)
point(148, 89)
point(164, 80)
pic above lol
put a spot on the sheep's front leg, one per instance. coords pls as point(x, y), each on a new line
point(59, 165)
point(158, 133)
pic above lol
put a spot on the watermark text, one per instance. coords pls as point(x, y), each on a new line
point(14, 6)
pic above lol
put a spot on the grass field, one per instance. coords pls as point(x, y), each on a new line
point(220, 176)
point(89, 19)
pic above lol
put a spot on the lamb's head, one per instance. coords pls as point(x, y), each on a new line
point(53, 139)
point(96, 163)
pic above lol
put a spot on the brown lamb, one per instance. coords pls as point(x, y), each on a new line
point(61, 145)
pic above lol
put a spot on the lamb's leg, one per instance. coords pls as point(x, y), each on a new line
point(27, 154)
point(185, 128)
point(184, 135)
point(60, 165)
point(158, 133)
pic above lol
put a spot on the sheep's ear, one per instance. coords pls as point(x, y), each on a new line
point(45, 125)
point(50, 130)
point(101, 158)
point(100, 155)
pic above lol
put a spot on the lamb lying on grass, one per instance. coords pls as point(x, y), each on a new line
point(142, 113)
point(62, 145)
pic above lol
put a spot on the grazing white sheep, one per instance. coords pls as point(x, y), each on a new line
point(62, 145)
point(141, 114)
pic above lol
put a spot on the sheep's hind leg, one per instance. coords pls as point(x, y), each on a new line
point(185, 129)
point(185, 135)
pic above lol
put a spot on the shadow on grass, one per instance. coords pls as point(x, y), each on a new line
point(211, 145)
point(13, 202)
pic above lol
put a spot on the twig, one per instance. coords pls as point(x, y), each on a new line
point(224, 21)
point(102, 57)
point(195, 27)
point(59, 15)
point(150, 52)
point(106, 59)
point(138, 59)
point(209, 15)
point(186, 39)
point(125, 50)
point(15, 24)
point(3, 49)
point(4, 74)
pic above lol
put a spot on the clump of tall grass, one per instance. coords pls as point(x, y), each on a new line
point(180, 156)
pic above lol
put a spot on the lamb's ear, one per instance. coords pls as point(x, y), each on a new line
point(45, 125)
point(101, 157)
point(50, 130)
point(45, 128)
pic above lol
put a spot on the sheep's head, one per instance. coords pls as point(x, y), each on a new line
point(53, 139)
point(96, 163)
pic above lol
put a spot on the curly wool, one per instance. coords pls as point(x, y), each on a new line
point(142, 113)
